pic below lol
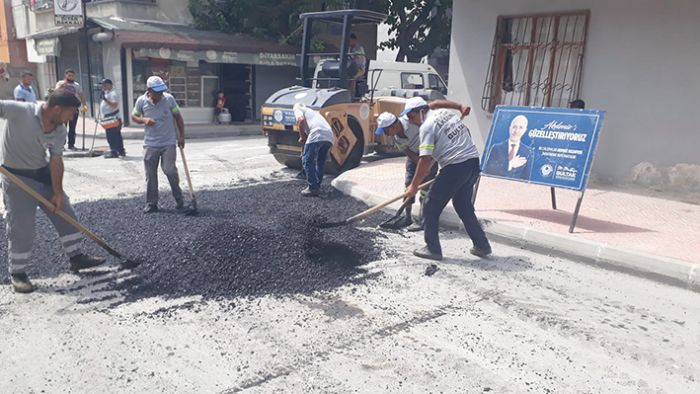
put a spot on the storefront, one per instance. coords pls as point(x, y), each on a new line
point(196, 65)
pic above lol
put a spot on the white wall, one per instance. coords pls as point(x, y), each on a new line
point(385, 55)
point(641, 66)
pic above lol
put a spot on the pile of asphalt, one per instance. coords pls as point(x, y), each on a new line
point(249, 241)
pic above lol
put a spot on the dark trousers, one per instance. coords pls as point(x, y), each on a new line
point(71, 129)
point(314, 160)
point(115, 140)
point(454, 182)
point(411, 167)
point(166, 157)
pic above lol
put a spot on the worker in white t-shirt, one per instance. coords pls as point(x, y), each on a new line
point(317, 136)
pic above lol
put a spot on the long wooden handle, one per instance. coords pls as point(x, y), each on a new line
point(62, 214)
point(375, 208)
point(187, 172)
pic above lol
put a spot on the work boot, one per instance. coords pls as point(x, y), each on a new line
point(418, 226)
point(111, 155)
point(425, 253)
point(150, 208)
point(21, 283)
point(180, 205)
point(122, 153)
point(415, 227)
point(309, 192)
point(479, 252)
point(83, 261)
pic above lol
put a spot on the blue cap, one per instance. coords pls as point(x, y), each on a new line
point(106, 80)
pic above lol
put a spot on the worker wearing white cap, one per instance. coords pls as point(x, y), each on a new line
point(407, 138)
point(159, 112)
point(446, 140)
point(317, 135)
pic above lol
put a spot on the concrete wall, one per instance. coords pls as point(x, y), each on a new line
point(163, 10)
point(641, 66)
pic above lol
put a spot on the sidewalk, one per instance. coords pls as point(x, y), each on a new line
point(647, 235)
point(135, 132)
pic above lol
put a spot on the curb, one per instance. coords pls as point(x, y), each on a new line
point(196, 133)
point(192, 132)
point(659, 268)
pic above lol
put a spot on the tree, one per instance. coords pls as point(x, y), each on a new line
point(419, 27)
point(275, 19)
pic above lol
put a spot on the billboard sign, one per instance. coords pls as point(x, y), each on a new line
point(546, 146)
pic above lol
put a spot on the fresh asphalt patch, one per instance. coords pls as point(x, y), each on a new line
point(255, 240)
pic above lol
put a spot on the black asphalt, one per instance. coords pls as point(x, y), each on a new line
point(252, 240)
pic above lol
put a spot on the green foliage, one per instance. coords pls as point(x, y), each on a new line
point(418, 27)
point(276, 19)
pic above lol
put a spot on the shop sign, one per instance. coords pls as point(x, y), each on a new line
point(48, 47)
point(68, 13)
point(213, 56)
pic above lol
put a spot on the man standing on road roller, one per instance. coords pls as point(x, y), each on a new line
point(445, 139)
point(32, 129)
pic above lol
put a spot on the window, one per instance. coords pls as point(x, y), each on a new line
point(210, 90)
point(412, 81)
point(434, 82)
point(536, 60)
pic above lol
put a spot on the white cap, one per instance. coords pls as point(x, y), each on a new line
point(384, 120)
point(298, 109)
point(414, 103)
point(156, 84)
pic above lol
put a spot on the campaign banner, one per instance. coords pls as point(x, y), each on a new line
point(546, 146)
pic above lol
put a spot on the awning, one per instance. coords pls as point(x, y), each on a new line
point(181, 42)
point(54, 32)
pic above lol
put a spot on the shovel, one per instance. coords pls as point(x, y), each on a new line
point(192, 209)
point(391, 223)
point(125, 262)
point(372, 210)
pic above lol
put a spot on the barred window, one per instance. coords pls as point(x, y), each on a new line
point(536, 60)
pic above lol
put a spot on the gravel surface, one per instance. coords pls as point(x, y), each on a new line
point(518, 322)
point(252, 241)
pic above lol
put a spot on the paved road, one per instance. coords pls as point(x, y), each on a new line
point(519, 322)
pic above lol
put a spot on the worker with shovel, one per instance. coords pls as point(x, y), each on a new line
point(445, 139)
point(159, 112)
point(31, 130)
point(407, 138)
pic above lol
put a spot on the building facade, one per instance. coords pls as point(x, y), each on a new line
point(634, 59)
point(129, 40)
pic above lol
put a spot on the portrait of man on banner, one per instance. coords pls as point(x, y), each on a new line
point(511, 158)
